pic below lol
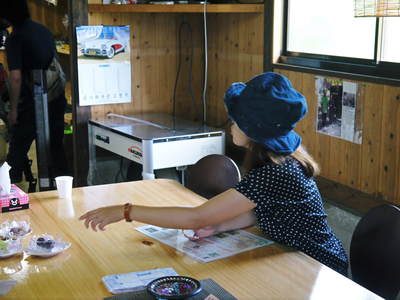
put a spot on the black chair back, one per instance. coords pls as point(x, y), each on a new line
point(212, 175)
point(375, 251)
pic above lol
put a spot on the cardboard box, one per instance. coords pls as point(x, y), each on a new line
point(17, 199)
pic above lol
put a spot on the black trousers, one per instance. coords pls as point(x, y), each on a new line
point(24, 132)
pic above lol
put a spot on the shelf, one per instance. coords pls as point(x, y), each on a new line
point(176, 8)
point(62, 51)
point(63, 48)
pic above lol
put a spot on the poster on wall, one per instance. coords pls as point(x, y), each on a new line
point(338, 111)
point(104, 66)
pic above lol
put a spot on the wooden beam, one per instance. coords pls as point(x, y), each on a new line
point(268, 34)
point(78, 15)
point(176, 8)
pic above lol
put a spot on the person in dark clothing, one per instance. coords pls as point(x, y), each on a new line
point(30, 46)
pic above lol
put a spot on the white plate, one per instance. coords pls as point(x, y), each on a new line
point(12, 250)
point(42, 252)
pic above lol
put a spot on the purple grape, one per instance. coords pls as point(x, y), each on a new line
point(49, 244)
point(16, 230)
point(40, 242)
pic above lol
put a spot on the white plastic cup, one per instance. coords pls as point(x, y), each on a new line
point(64, 186)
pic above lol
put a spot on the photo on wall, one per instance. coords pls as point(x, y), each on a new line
point(339, 109)
point(104, 64)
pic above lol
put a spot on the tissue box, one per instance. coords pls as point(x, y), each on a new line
point(17, 199)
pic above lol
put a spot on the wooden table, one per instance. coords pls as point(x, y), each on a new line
point(272, 272)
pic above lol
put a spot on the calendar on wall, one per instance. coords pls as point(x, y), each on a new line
point(104, 66)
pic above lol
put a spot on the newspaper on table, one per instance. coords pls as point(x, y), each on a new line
point(134, 281)
point(210, 248)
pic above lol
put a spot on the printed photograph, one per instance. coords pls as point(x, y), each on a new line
point(103, 43)
point(329, 117)
point(337, 113)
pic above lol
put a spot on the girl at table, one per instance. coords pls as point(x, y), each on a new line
point(278, 193)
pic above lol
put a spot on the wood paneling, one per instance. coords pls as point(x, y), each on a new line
point(372, 167)
point(235, 53)
point(3, 59)
point(389, 143)
point(370, 148)
point(50, 16)
point(77, 16)
point(308, 90)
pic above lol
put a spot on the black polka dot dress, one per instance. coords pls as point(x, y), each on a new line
point(290, 211)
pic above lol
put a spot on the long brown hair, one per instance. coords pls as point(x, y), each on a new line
point(257, 155)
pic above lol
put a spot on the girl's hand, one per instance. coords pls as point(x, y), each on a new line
point(206, 231)
point(101, 217)
point(202, 233)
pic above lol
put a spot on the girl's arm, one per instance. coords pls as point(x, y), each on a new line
point(244, 220)
point(217, 210)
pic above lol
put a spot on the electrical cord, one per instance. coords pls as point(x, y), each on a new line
point(204, 99)
point(205, 78)
point(179, 68)
point(190, 77)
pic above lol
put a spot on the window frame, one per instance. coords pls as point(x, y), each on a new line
point(368, 68)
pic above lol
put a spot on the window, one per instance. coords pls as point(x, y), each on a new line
point(325, 34)
point(390, 40)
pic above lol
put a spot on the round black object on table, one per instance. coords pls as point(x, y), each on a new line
point(174, 287)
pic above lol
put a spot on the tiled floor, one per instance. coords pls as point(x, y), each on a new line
point(342, 221)
point(24, 185)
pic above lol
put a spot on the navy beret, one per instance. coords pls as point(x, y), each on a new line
point(266, 109)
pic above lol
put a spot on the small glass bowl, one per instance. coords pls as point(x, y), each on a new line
point(14, 229)
point(174, 287)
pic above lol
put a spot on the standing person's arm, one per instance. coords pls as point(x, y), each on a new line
point(15, 81)
point(14, 53)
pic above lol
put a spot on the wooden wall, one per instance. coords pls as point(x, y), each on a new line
point(3, 59)
point(372, 167)
point(235, 53)
point(50, 16)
